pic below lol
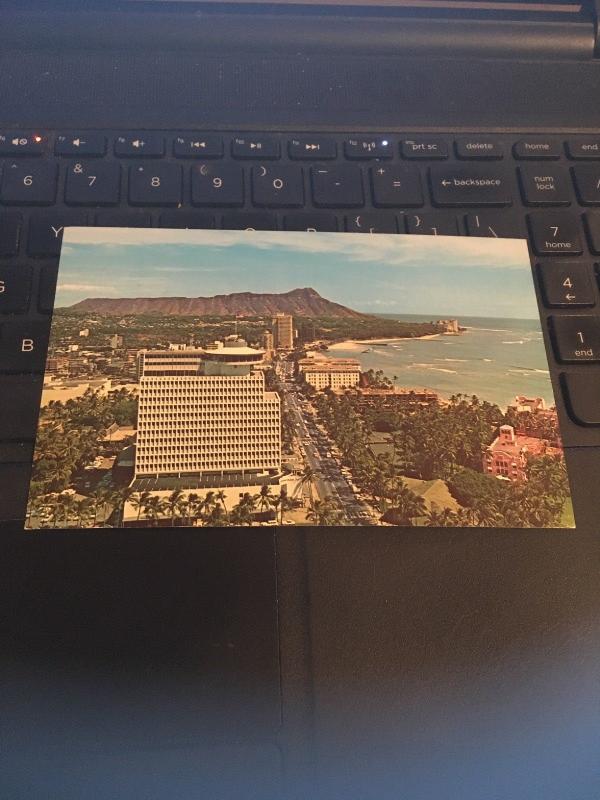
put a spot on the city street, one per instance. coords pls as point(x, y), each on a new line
point(331, 480)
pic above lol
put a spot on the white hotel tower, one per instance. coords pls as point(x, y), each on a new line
point(206, 412)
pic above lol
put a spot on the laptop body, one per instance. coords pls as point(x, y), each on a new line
point(322, 663)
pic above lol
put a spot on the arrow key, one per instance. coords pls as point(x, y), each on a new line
point(566, 284)
point(197, 146)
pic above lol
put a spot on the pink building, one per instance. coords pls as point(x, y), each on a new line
point(506, 457)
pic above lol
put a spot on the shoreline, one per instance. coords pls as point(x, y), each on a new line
point(353, 344)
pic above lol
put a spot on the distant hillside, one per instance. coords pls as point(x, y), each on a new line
point(299, 302)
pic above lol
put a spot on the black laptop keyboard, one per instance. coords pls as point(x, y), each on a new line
point(541, 187)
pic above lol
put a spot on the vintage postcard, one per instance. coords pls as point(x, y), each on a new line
point(216, 378)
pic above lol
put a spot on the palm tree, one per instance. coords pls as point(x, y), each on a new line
point(242, 512)
point(405, 507)
point(325, 512)
point(172, 502)
point(208, 503)
point(284, 505)
point(217, 518)
point(265, 497)
point(442, 519)
point(307, 479)
point(194, 506)
point(138, 501)
point(220, 496)
point(154, 508)
point(122, 496)
point(276, 503)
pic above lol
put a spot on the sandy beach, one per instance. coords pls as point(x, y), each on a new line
point(360, 344)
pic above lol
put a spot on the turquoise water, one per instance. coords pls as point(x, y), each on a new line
point(495, 359)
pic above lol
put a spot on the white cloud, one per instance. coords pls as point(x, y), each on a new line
point(83, 287)
point(392, 249)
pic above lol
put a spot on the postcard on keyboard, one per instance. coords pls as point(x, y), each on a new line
point(215, 378)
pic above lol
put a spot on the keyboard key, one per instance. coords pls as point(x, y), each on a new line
point(592, 226)
point(13, 505)
point(23, 346)
point(255, 147)
point(314, 148)
point(140, 145)
point(311, 222)
point(20, 405)
point(584, 147)
point(89, 145)
point(15, 290)
point(582, 396)
point(277, 186)
point(424, 148)
point(22, 144)
point(123, 219)
point(249, 221)
point(186, 219)
point(337, 186)
point(462, 185)
point(368, 147)
point(372, 223)
point(197, 146)
point(10, 232)
point(566, 284)
point(93, 183)
point(394, 186)
point(479, 149)
point(47, 290)
point(576, 338)
point(155, 185)
point(536, 148)
point(432, 224)
point(500, 225)
point(554, 234)
point(215, 184)
point(29, 183)
point(46, 231)
point(587, 183)
point(545, 185)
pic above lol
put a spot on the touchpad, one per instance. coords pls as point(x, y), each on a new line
point(138, 639)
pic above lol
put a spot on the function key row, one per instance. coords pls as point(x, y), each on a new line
point(318, 147)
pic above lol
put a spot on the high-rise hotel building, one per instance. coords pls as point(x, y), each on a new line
point(283, 331)
point(206, 412)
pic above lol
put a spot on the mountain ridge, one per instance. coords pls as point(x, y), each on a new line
point(305, 302)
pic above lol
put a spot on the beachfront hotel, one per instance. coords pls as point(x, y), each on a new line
point(330, 373)
point(205, 412)
point(506, 457)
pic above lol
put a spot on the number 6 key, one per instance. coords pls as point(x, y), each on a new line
point(92, 183)
point(29, 183)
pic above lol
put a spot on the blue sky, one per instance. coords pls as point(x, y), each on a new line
point(379, 273)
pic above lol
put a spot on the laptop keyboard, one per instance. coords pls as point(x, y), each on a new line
point(541, 187)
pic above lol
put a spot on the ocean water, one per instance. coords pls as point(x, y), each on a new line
point(496, 359)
